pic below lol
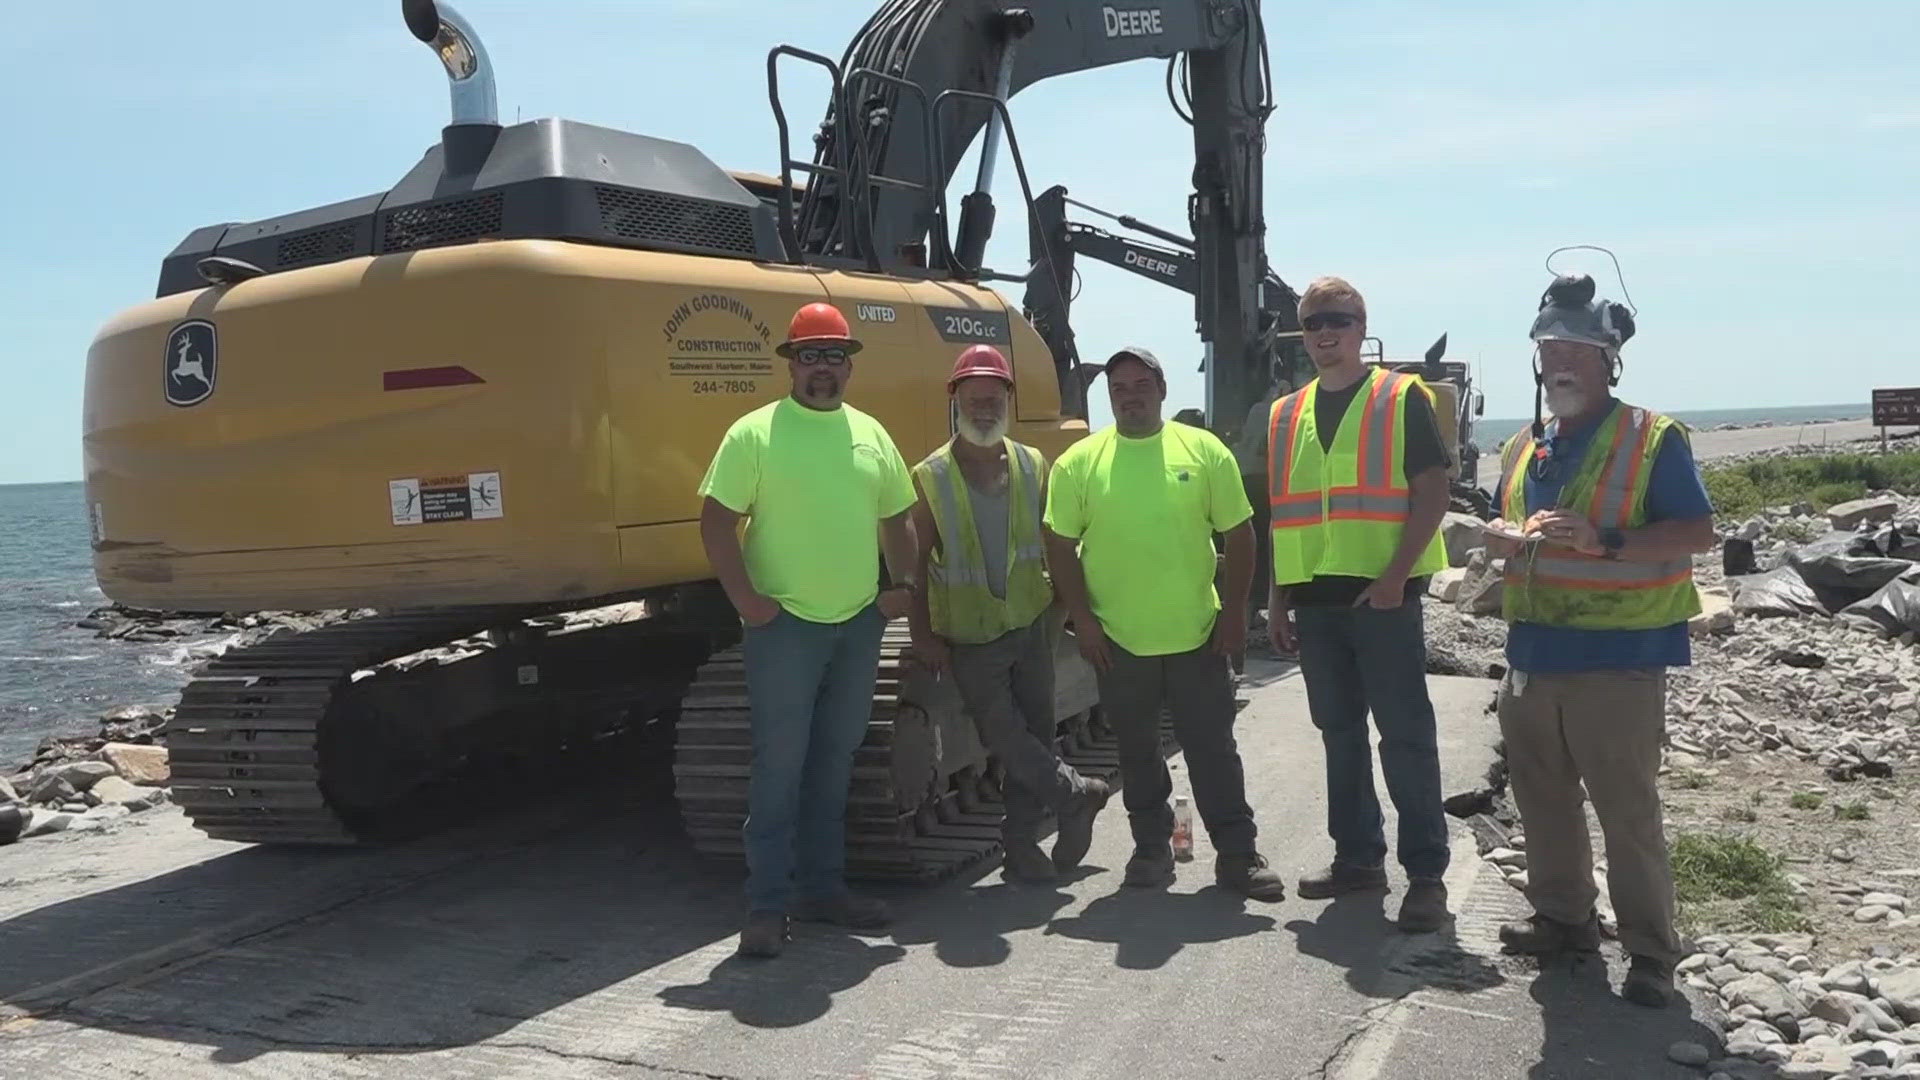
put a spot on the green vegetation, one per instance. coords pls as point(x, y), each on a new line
point(1732, 884)
point(1805, 800)
point(1741, 489)
point(1691, 779)
point(1857, 811)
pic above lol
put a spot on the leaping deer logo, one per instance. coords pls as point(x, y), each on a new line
point(189, 366)
point(191, 362)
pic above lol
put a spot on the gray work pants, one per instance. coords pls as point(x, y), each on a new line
point(1007, 685)
point(1197, 687)
point(1603, 729)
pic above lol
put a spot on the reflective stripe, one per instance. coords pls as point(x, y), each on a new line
point(946, 493)
point(1029, 460)
point(1286, 413)
point(1612, 496)
point(1570, 568)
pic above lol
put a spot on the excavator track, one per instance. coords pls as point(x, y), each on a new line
point(320, 738)
point(245, 742)
point(891, 835)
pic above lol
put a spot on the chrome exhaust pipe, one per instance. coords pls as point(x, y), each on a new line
point(469, 72)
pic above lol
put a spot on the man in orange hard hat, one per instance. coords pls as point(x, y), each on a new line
point(813, 476)
point(984, 612)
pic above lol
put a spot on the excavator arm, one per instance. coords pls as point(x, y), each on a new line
point(920, 82)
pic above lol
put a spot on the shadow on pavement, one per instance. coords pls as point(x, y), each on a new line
point(793, 989)
point(1355, 933)
point(1149, 927)
point(423, 946)
point(969, 929)
point(1590, 1033)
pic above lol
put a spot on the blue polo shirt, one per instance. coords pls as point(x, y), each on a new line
point(1674, 492)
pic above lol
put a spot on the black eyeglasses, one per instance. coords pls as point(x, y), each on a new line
point(832, 355)
point(1338, 320)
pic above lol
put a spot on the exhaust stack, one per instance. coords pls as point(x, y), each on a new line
point(468, 138)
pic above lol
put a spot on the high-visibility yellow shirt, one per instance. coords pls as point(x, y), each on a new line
point(814, 485)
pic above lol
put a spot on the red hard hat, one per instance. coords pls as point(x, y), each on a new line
point(816, 323)
point(980, 360)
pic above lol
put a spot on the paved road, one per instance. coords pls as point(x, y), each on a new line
point(1713, 444)
point(582, 940)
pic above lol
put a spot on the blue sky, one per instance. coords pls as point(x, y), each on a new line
point(1754, 165)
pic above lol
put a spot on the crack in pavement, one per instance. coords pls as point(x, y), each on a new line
point(1363, 1024)
point(161, 1028)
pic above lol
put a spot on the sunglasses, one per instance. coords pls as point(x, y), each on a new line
point(832, 355)
point(1338, 320)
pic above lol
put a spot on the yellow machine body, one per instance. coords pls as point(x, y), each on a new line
point(502, 422)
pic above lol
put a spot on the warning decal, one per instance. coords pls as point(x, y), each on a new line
point(470, 497)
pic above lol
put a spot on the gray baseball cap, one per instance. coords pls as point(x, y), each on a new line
point(1134, 352)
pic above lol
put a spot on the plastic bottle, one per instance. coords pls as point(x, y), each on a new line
point(1182, 829)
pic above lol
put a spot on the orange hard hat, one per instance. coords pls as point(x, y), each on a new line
point(817, 323)
point(980, 360)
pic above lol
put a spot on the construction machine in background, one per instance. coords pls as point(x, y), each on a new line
point(1168, 258)
point(479, 403)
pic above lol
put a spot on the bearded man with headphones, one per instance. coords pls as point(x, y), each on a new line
point(1602, 511)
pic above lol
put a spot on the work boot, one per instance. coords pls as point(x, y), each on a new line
point(1339, 879)
point(1649, 982)
point(1424, 908)
point(1076, 824)
point(845, 909)
point(764, 936)
point(1026, 863)
point(1249, 875)
point(1152, 864)
point(1540, 935)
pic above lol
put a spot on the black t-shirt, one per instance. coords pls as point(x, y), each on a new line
point(1423, 449)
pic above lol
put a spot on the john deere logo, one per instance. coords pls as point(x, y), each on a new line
point(192, 362)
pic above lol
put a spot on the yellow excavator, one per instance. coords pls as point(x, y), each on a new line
point(479, 402)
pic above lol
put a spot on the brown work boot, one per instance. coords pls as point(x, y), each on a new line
point(1076, 823)
point(1540, 935)
point(844, 909)
point(1026, 863)
point(1649, 982)
point(764, 936)
point(1339, 879)
point(1249, 875)
point(1151, 865)
point(1424, 908)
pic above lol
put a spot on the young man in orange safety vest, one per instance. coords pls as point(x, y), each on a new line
point(1358, 480)
point(823, 489)
point(1598, 599)
point(983, 613)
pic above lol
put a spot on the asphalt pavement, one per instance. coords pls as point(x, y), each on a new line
point(582, 938)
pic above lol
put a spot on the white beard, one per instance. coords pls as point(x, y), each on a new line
point(969, 431)
point(1564, 400)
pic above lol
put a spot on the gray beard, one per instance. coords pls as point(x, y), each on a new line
point(1565, 401)
point(971, 432)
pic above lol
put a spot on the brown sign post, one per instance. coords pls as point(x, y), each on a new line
point(1896, 407)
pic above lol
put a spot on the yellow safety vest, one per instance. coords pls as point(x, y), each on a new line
point(1558, 586)
point(1342, 511)
point(959, 599)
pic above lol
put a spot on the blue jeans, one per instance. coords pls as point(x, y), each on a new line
point(1356, 660)
point(810, 688)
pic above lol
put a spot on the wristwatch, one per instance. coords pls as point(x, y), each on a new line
point(1611, 541)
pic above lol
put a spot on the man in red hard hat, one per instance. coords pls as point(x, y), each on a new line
point(985, 614)
point(813, 476)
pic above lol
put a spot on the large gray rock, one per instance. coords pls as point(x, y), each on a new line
point(83, 774)
point(7, 793)
point(1445, 585)
point(1901, 988)
point(1462, 534)
point(1772, 999)
point(1484, 588)
point(1874, 509)
point(1716, 616)
point(114, 791)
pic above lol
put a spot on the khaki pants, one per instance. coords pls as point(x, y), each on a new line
point(1604, 728)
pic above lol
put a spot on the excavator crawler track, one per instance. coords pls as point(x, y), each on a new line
point(889, 837)
point(245, 742)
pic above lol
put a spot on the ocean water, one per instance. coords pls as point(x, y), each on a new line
point(1491, 431)
point(54, 677)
